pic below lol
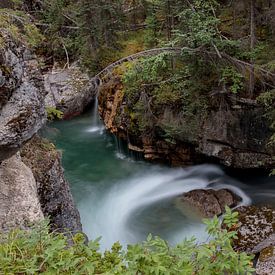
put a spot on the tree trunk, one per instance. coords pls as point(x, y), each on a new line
point(252, 46)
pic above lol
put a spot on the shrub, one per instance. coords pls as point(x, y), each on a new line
point(53, 113)
point(38, 251)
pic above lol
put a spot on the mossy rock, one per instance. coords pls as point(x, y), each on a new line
point(256, 225)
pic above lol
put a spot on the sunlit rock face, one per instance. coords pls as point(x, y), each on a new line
point(22, 111)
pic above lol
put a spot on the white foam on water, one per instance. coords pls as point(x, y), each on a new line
point(112, 219)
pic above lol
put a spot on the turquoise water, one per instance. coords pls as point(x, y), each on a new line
point(123, 199)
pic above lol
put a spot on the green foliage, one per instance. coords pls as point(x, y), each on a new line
point(38, 251)
point(199, 24)
point(161, 94)
point(53, 113)
point(19, 26)
point(232, 79)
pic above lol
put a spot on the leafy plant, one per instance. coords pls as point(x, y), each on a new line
point(38, 251)
point(19, 26)
point(233, 79)
point(53, 113)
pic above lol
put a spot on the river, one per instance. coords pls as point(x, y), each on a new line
point(122, 198)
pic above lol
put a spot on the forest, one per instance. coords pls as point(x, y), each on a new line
point(178, 83)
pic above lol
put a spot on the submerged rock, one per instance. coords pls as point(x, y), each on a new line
point(69, 90)
point(52, 187)
point(209, 202)
point(19, 202)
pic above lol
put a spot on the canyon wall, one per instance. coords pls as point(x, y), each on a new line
point(30, 190)
point(236, 136)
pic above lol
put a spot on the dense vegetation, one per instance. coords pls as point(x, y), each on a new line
point(225, 53)
point(38, 251)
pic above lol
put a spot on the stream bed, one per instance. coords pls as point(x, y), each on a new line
point(122, 198)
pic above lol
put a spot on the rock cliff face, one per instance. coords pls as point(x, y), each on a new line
point(236, 136)
point(52, 187)
point(22, 111)
point(32, 190)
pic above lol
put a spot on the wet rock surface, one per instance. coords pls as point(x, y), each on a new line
point(69, 90)
point(209, 202)
point(52, 187)
point(19, 202)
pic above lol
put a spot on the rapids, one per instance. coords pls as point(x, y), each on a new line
point(122, 198)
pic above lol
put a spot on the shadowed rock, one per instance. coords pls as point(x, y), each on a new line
point(53, 189)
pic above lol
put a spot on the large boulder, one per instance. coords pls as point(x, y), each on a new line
point(22, 111)
point(69, 90)
point(19, 202)
point(209, 202)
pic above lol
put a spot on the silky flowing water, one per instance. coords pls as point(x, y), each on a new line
point(121, 198)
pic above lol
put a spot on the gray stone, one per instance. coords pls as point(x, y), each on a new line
point(19, 203)
point(69, 90)
point(22, 111)
point(266, 262)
